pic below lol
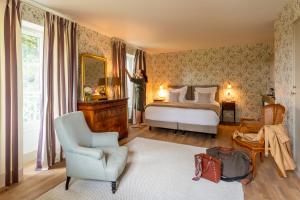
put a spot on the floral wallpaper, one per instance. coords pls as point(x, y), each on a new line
point(246, 67)
point(32, 14)
point(284, 61)
point(92, 42)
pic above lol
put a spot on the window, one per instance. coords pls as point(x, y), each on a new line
point(32, 58)
point(130, 67)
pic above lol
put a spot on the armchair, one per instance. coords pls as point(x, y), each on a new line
point(89, 155)
point(271, 115)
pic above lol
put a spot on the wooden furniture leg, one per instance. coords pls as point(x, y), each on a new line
point(261, 156)
point(67, 182)
point(114, 187)
point(253, 158)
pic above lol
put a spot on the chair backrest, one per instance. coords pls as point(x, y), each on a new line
point(72, 130)
point(273, 114)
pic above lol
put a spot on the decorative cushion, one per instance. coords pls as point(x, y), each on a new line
point(174, 96)
point(202, 97)
point(182, 92)
point(211, 90)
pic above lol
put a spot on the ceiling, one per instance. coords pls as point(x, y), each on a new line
point(175, 25)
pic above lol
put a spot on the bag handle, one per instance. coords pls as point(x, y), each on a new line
point(208, 165)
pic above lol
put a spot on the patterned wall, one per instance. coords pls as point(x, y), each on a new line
point(246, 67)
point(284, 60)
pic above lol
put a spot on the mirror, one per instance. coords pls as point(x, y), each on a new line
point(93, 77)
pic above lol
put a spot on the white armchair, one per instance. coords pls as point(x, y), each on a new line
point(89, 155)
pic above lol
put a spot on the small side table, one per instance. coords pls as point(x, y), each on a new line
point(228, 106)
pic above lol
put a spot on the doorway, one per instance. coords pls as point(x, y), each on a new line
point(130, 68)
point(32, 58)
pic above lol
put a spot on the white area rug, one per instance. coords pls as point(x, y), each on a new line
point(156, 170)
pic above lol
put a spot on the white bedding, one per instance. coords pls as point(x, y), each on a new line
point(182, 115)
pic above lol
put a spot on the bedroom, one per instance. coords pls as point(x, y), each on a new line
point(230, 55)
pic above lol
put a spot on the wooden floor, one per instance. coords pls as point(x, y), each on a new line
point(266, 185)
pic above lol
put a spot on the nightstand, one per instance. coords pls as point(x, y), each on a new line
point(228, 106)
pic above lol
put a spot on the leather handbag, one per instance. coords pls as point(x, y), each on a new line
point(207, 167)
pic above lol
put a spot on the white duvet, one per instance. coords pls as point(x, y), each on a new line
point(182, 115)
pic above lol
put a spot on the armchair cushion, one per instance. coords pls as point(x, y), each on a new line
point(90, 152)
point(116, 159)
point(250, 126)
point(105, 139)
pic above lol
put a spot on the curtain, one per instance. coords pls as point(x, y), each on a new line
point(119, 62)
point(139, 63)
point(10, 93)
point(59, 84)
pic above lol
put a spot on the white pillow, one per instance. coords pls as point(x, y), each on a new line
point(211, 90)
point(203, 97)
point(174, 96)
point(182, 92)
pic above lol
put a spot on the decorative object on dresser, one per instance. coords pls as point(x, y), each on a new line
point(228, 106)
point(106, 115)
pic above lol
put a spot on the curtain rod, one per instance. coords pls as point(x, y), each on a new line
point(44, 8)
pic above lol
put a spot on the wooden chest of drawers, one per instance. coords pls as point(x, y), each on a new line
point(108, 115)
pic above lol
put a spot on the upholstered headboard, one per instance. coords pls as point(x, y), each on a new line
point(191, 90)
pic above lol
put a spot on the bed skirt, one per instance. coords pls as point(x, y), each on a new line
point(183, 126)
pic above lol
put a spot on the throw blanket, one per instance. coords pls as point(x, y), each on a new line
point(189, 105)
point(277, 142)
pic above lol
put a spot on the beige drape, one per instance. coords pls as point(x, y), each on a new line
point(10, 93)
point(119, 62)
point(139, 63)
point(59, 84)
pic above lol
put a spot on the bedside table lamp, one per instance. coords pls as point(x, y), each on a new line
point(161, 93)
point(229, 91)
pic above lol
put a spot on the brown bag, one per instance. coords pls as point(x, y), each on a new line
point(236, 164)
point(207, 167)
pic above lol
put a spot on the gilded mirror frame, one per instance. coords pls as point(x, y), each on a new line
point(83, 72)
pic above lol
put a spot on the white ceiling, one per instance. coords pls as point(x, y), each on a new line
point(172, 25)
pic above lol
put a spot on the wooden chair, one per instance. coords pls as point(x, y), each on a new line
point(271, 115)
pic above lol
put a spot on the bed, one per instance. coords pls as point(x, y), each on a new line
point(187, 115)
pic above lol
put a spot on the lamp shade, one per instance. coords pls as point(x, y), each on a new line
point(161, 92)
point(229, 86)
point(114, 81)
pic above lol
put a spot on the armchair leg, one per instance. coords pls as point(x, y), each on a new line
point(67, 182)
point(114, 187)
point(261, 156)
point(253, 158)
